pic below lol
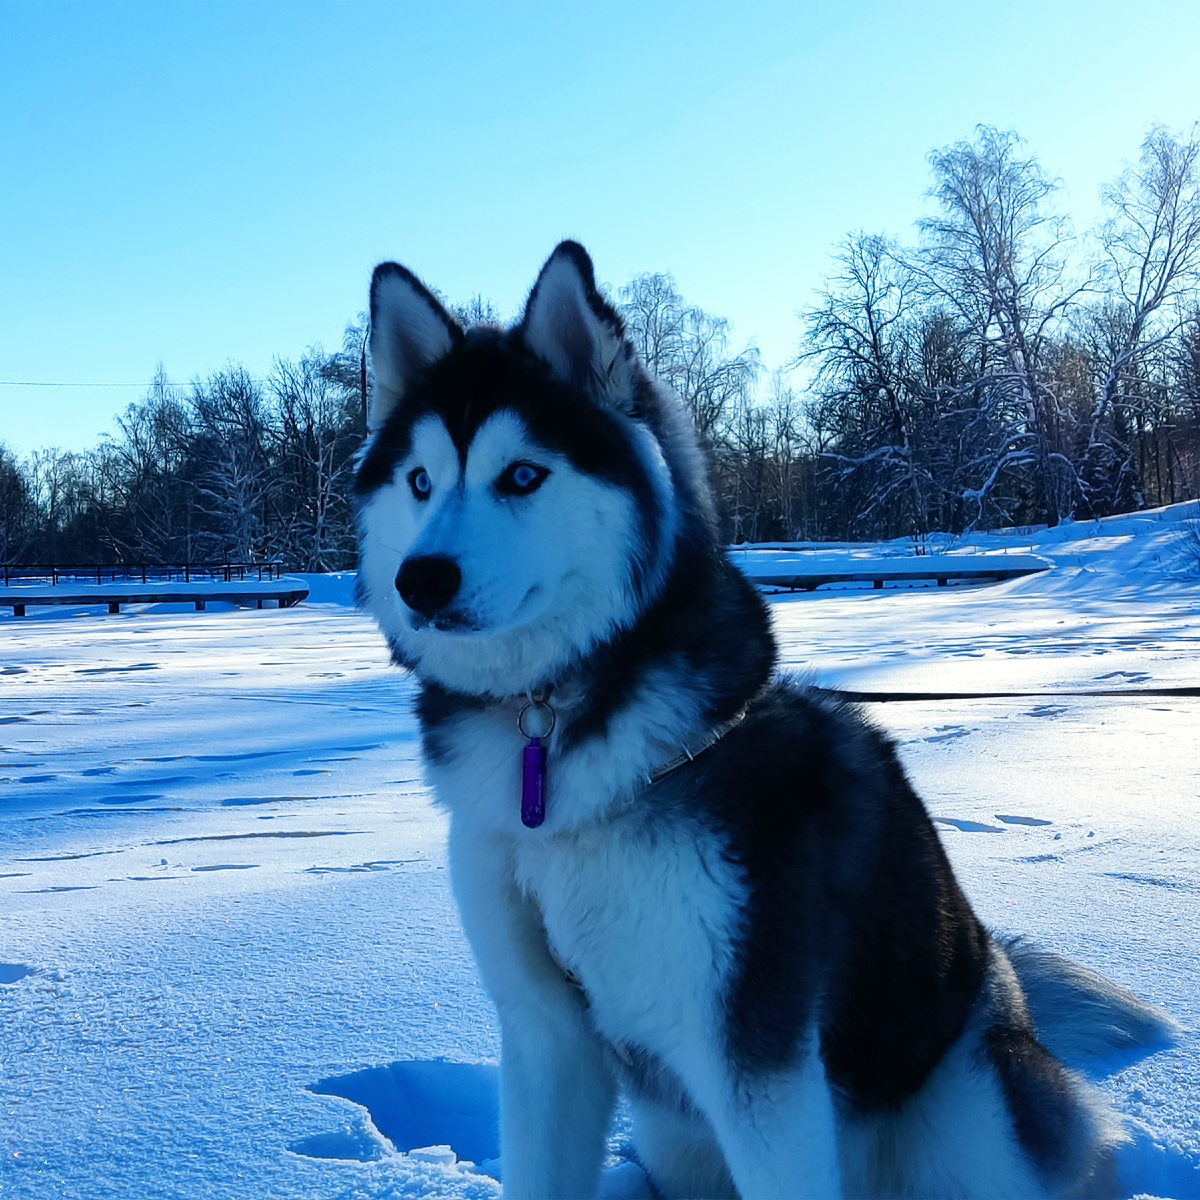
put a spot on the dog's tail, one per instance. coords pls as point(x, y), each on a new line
point(1087, 1021)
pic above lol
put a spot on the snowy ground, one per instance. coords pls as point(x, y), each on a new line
point(230, 964)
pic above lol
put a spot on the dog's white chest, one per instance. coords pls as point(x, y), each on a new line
point(646, 917)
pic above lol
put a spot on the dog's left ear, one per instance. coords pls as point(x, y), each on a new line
point(574, 329)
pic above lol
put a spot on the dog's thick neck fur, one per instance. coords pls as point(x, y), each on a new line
point(728, 664)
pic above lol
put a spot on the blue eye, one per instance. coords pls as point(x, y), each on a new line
point(420, 483)
point(521, 479)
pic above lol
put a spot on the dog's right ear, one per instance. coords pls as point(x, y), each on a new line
point(409, 331)
point(570, 326)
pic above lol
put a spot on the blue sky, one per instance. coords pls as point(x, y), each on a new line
point(199, 183)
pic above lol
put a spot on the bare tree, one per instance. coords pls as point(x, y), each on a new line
point(856, 337)
point(347, 368)
point(1185, 364)
point(1149, 246)
point(315, 440)
point(17, 509)
point(60, 483)
point(145, 475)
point(234, 481)
point(476, 311)
point(744, 460)
point(788, 455)
point(689, 349)
point(656, 320)
point(997, 257)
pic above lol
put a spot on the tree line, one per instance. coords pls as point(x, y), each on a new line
point(1001, 370)
point(230, 469)
point(1004, 371)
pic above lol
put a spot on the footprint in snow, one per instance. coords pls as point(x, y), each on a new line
point(969, 826)
point(1180, 885)
point(1167, 1170)
point(76, 888)
point(116, 670)
point(414, 1103)
point(1127, 676)
point(1011, 820)
point(250, 801)
point(947, 733)
point(155, 780)
point(365, 868)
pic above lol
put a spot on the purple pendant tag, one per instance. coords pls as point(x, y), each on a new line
point(533, 784)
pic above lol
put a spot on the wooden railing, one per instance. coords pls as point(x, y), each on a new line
point(143, 572)
point(809, 569)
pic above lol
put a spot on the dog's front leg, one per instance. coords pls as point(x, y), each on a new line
point(778, 1132)
point(556, 1092)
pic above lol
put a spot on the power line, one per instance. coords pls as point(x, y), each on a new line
point(146, 386)
point(40, 383)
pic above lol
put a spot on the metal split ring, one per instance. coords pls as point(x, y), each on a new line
point(542, 707)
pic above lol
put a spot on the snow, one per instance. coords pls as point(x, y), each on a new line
point(230, 963)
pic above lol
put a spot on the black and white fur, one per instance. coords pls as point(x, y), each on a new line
point(767, 949)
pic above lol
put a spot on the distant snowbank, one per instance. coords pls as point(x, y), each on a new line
point(1155, 547)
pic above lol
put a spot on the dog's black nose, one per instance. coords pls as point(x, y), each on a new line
point(429, 583)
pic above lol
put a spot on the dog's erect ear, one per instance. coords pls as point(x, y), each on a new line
point(570, 325)
point(409, 330)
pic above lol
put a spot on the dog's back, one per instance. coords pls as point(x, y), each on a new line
point(855, 925)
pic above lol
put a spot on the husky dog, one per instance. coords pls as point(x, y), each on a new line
point(680, 873)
